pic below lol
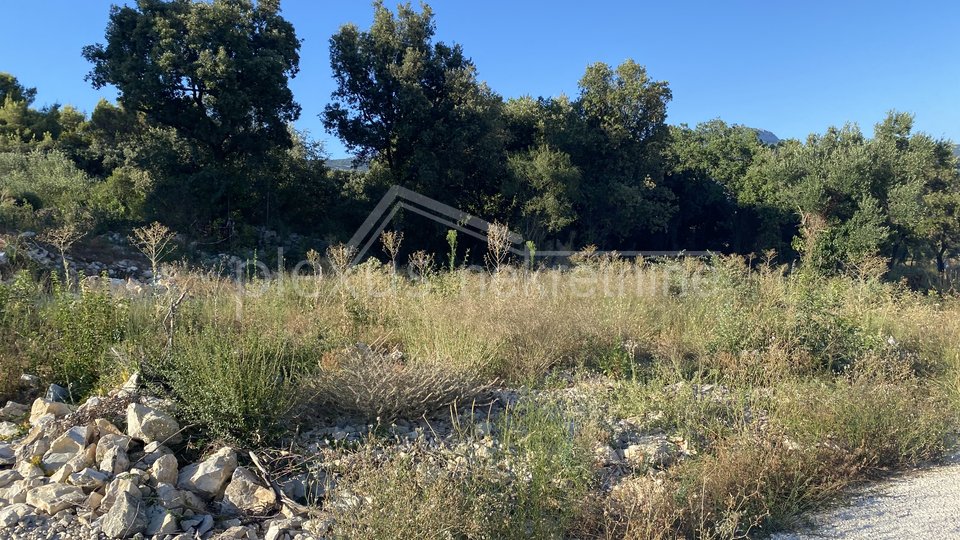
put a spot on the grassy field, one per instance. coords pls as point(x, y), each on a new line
point(779, 388)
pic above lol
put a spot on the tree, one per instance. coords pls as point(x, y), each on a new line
point(216, 74)
point(416, 107)
point(621, 153)
point(10, 88)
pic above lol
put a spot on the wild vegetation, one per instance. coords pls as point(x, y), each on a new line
point(702, 397)
point(780, 387)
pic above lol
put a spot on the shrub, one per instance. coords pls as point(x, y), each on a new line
point(77, 331)
point(383, 386)
point(237, 383)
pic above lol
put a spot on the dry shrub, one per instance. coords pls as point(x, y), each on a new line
point(377, 385)
point(746, 487)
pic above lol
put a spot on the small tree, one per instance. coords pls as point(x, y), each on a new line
point(154, 241)
point(63, 238)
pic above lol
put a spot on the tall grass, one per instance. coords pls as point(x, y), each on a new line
point(783, 387)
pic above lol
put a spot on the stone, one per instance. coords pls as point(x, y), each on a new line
point(14, 412)
point(8, 430)
point(104, 427)
point(653, 450)
point(161, 522)
point(12, 515)
point(67, 446)
point(53, 498)
point(247, 494)
point(277, 527)
point(115, 461)
point(120, 486)
point(8, 477)
point(209, 477)
point(126, 517)
point(57, 393)
point(152, 425)
point(89, 479)
point(93, 501)
point(42, 407)
point(237, 532)
point(198, 525)
point(7, 455)
point(165, 469)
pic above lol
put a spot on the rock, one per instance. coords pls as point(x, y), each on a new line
point(89, 479)
point(237, 532)
point(161, 522)
point(93, 501)
point(42, 407)
point(53, 498)
point(14, 412)
point(8, 477)
point(65, 447)
point(57, 393)
point(8, 430)
point(120, 486)
point(126, 517)
point(13, 514)
point(104, 427)
point(247, 494)
point(198, 525)
point(654, 450)
point(164, 469)
point(7, 455)
point(209, 477)
point(149, 425)
point(277, 527)
point(115, 461)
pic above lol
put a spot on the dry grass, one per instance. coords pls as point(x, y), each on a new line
point(818, 382)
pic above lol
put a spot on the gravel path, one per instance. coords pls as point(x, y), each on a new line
point(919, 504)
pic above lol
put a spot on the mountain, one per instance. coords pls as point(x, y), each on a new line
point(344, 164)
point(766, 137)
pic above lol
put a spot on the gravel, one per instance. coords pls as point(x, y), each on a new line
point(919, 504)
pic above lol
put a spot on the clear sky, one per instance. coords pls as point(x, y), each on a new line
point(791, 67)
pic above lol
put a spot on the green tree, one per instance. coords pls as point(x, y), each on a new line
point(216, 74)
point(416, 107)
point(620, 153)
point(10, 88)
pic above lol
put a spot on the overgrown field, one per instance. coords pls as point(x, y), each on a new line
point(768, 390)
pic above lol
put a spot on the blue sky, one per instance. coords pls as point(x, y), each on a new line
point(789, 67)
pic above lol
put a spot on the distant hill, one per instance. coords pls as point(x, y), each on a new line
point(766, 137)
point(956, 150)
point(344, 164)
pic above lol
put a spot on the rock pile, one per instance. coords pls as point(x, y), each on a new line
point(75, 473)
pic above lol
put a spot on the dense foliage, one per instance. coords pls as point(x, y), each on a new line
point(201, 139)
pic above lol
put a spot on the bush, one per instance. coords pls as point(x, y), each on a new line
point(77, 332)
point(383, 387)
point(237, 383)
